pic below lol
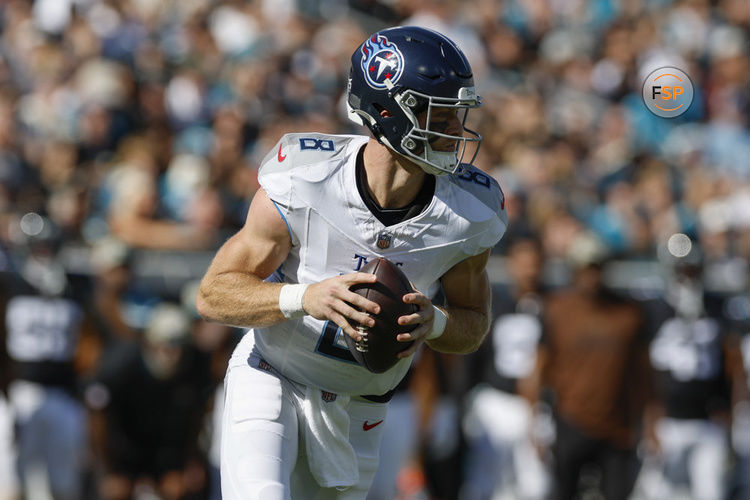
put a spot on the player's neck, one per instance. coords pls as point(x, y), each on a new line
point(393, 182)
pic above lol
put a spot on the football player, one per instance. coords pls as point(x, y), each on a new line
point(302, 419)
point(44, 328)
point(500, 423)
point(695, 361)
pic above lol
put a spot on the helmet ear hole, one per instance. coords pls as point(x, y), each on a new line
point(384, 113)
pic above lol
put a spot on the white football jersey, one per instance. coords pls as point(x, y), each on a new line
point(311, 179)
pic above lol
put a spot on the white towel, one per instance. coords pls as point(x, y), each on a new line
point(332, 459)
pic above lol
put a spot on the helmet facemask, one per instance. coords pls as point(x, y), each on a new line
point(417, 144)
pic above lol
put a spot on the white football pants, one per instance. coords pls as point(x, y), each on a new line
point(695, 451)
point(505, 463)
point(263, 451)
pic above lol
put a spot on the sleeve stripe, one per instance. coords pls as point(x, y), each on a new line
point(285, 221)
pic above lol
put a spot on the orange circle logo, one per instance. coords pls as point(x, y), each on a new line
point(667, 92)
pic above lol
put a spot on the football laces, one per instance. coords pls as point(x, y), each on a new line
point(363, 345)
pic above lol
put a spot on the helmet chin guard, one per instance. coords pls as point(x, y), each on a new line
point(400, 75)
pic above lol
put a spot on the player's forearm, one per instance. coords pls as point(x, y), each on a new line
point(239, 299)
point(464, 331)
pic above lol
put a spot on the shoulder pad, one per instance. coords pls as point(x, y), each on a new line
point(308, 157)
point(480, 185)
point(301, 150)
point(476, 198)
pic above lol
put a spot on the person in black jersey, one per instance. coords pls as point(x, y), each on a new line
point(8, 476)
point(500, 422)
point(691, 353)
point(736, 309)
point(43, 328)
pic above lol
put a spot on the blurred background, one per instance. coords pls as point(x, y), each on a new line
point(131, 132)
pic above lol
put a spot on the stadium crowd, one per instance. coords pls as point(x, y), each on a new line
point(136, 127)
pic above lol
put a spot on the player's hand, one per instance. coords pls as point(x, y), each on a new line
point(424, 317)
point(331, 299)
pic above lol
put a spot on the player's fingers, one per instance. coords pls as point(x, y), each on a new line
point(360, 302)
point(422, 315)
point(416, 334)
point(345, 326)
point(424, 305)
point(413, 319)
point(353, 278)
point(416, 298)
point(360, 317)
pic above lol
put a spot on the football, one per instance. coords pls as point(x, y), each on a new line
point(378, 349)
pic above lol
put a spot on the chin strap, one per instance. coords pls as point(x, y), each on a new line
point(446, 161)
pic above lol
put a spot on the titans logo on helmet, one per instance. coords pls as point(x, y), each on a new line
point(381, 61)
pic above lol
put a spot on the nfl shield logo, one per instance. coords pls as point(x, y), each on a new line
point(384, 240)
point(263, 365)
point(328, 397)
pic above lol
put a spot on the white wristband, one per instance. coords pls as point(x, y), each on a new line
point(438, 324)
point(290, 300)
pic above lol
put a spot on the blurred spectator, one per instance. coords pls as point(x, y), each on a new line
point(134, 202)
point(110, 261)
point(502, 459)
point(108, 302)
point(149, 412)
point(218, 80)
point(594, 358)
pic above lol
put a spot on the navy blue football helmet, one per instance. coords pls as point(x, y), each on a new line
point(400, 75)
